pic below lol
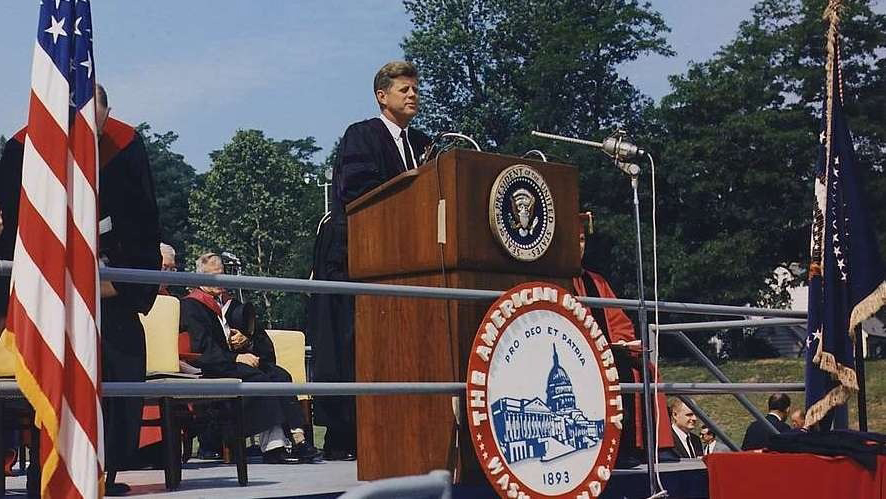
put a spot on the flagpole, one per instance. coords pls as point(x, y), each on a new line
point(859, 372)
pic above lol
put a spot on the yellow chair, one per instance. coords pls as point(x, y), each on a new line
point(161, 335)
point(162, 347)
point(289, 346)
point(7, 359)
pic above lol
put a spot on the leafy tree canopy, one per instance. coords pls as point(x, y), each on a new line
point(740, 143)
point(173, 181)
point(254, 202)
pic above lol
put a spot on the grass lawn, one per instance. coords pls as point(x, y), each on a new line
point(732, 416)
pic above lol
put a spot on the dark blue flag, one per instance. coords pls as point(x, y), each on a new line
point(846, 275)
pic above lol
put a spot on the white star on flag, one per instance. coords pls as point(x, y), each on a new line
point(88, 64)
point(77, 26)
point(57, 29)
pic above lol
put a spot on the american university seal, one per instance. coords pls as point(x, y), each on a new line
point(521, 212)
point(543, 396)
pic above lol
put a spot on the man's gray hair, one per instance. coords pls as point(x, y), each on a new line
point(167, 250)
point(205, 260)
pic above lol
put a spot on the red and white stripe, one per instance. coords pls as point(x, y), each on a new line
point(54, 310)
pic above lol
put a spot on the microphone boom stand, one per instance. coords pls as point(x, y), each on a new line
point(648, 405)
point(651, 433)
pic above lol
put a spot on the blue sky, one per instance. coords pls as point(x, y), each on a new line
point(204, 68)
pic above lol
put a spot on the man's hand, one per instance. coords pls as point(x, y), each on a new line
point(248, 359)
point(634, 347)
point(238, 340)
point(108, 290)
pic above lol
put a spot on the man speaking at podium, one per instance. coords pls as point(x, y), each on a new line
point(371, 152)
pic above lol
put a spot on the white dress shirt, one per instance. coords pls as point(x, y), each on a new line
point(684, 440)
point(395, 133)
point(223, 320)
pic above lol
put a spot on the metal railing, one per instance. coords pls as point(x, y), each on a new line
point(678, 332)
point(776, 317)
point(293, 285)
point(209, 388)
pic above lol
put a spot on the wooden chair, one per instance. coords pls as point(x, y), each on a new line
point(162, 344)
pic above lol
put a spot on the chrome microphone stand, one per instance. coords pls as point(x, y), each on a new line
point(612, 147)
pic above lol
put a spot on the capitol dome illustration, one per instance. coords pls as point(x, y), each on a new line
point(559, 391)
point(533, 428)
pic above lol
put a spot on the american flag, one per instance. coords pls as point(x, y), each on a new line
point(846, 283)
point(54, 303)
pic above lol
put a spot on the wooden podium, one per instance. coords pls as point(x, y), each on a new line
point(393, 234)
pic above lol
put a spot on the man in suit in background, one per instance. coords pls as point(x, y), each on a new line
point(710, 442)
point(757, 435)
point(371, 152)
point(683, 421)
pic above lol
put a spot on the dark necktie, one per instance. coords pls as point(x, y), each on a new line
point(690, 447)
point(407, 150)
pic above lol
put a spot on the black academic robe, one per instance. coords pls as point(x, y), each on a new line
point(757, 435)
point(10, 192)
point(368, 157)
point(128, 206)
point(218, 361)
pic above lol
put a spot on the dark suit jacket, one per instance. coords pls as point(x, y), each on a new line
point(757, 435)
point(679, 445)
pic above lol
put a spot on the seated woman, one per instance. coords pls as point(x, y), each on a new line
point(228, 352)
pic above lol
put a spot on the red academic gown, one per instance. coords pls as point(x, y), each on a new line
point(619, 327)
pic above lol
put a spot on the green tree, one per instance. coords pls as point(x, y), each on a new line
point(498, 69)
point(3, 140)
point(174, 179)
point(254, 202)
point(741, 137)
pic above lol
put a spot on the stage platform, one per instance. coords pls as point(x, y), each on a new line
point(211, 479)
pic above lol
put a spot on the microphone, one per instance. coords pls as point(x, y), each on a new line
point(230, 257)
point(429, 150)
point(615, 146)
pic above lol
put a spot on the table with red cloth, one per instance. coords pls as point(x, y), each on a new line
point(773, 474)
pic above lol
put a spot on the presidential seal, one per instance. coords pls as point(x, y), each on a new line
point(521, 212)
point(544, 400)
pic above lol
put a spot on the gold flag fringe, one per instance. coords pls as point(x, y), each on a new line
point(867, 307)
